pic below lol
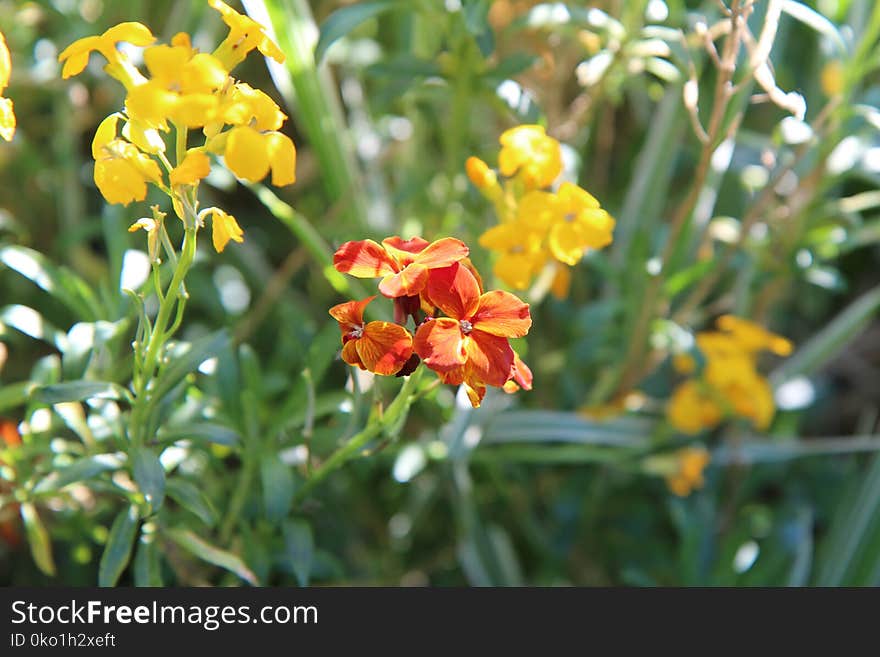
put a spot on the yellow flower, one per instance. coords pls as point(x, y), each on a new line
point(181, 87)
point(480, 174)
point(579, 225)
point(520, 254)
point(692, 408)
point(751, 399)
point(121, 170)
point(76, 55)
point(250, 155)
point(561, 281)
point(245, 34)
point(528, 150)
point(753, 337)
point(224, 227)
point(690, 463)
point(195, 166)
point(832, 78)
point(7, 115)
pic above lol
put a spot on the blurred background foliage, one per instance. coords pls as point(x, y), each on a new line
point(772, 216)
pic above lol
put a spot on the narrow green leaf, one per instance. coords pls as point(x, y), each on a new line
point(38, 538)
point(278, 487)
point(201, 431)
point(552, 426)
point(342, 21)
point(60, 282)
point(186, 357)
point(72, 391)
point(147, 564)
point(117, 552)
point(193, 499)
point(828, 342)
point(149, 475)
point(300, 544)
point(14, 394)
point(84, 468)
point(213, 555)
point(851, 521)
point(816, 21)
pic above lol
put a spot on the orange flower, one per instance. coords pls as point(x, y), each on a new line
point(520, 376)
point(403, 264)
point(380, 347)
point(470, 345)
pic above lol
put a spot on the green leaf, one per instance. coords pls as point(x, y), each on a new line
point(193, 499)
point(60, 282)
point(186, 357)
point(33, 324)
point(84, 468)
point(117, 552)
point(149, 475)
point(213, 555)
point(849, 528)
point(553, 426)
point(510, 66)
point(15, 394)
point(816, 21)
point(201, 431)
point(831, 340)
point(72, 391)
point(38, 538)
point(342, 21)
point(147, 566)
point(300, 545)
point(404, 66)
point(278, 487)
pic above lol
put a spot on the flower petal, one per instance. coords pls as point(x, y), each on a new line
point(404, 250)
point(489, 359)
point(503, 314)
point(351, 356)
point(194, 167)
point(442, 253)
point(439, 343)
point(454, 290)
point(364, 259)
point(385, 347)
point(350, 314)
point(246, 154)
point(408, 282)
point(282, 159)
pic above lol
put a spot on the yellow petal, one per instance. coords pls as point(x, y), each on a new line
point(282, 159)
point(151, 104)
point(246, 154)
point(194, 110)
point(5, 64)
point(195, 166)
point(137, 34)
point(105, 133)
point(224, 228)
point(7, 119)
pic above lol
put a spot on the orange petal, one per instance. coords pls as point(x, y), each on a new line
point(454, 290)
point(404, 250)
point(384, 347)
point(442, 253)
point(439, 343)
point(520, 374)
point(410, 281)
point(350, 314)
point(364, 259)
point(475, 394)
point(489, 358)
point(501, 313)
point(350, 354)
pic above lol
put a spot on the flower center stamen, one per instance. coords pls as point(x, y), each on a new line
point(357, 332)
point(516, 249)
point(466, 326)
point(570, 216)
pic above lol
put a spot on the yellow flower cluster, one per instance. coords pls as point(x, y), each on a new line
point(7, 116)
point(538, 227)
point(187, 90)
point(687, 474)
point(728, 385)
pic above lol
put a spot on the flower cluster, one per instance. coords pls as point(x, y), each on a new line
point(468, 344)
point(7, 116)
point(728, 384)
point(537, 226)
point(186, 90)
